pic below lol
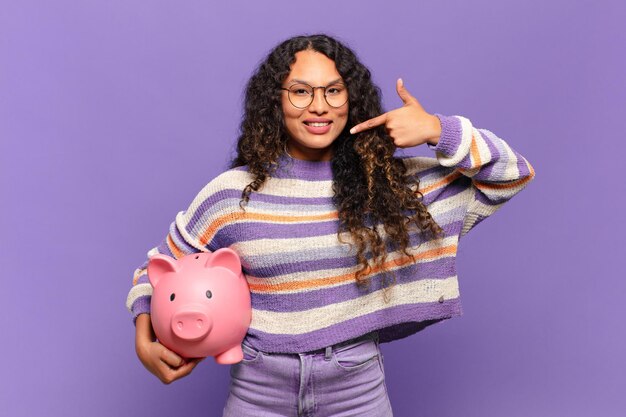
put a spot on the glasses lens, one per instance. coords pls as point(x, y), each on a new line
point(300, 95)
point(336, 95)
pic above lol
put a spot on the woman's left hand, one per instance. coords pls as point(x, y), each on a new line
point(409, 125)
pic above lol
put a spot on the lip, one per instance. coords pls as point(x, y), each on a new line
point(317, 130)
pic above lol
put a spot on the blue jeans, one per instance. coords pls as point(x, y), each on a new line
point(343, 380)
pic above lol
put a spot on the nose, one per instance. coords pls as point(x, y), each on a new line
point(319, 104)
point(191, 325)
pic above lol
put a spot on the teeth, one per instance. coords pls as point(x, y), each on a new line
point(319, 124)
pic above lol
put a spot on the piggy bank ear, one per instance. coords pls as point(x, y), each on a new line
point(159, 265)
point(226, 258)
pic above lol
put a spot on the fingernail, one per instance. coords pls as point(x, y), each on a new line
point(352, 131)
point(401, 82)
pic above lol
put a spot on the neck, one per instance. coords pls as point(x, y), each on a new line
point(308, 154)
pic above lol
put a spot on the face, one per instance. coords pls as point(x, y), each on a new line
point(312, 130)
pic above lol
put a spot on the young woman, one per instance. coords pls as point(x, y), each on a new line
point(344, 245)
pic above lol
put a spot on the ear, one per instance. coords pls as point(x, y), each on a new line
point(225, 258)
point(158, 266)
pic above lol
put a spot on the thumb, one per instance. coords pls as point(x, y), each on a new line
point(404, 94)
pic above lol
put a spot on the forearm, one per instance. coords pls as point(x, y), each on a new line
point(495, 168)
point(143, 330)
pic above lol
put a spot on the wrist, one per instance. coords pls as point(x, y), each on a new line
point(144, 333)
point(433, 140)
point(451, 133)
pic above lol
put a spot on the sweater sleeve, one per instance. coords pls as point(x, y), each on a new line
point(175, 245)
point(194, 230)
point(497, 171)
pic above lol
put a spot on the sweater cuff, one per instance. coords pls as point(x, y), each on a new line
point(451, 134)
point(141, 306)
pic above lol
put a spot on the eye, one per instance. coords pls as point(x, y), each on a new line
point(209, 294)
point(300, 90)
point(172, 296)
point(334, 90)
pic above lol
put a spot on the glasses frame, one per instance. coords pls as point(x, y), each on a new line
point(312, 95)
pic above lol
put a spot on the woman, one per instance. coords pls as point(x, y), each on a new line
point(344, 246)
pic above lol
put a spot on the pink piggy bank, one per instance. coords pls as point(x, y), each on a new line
point(200, 304)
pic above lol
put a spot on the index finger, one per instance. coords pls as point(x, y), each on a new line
point(369, 124)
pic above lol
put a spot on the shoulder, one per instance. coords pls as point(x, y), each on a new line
point(232, 179)
point(223, 190)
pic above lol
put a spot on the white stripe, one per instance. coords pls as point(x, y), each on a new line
point(476, 209)
point(417, 164)
point(287, 187)
point(483, 148)
point(511, 172)
point(137, 291)
point(273, 246)
point(283, 187)
point(294, 323)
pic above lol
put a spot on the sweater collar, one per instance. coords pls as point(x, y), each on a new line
point(290, 167)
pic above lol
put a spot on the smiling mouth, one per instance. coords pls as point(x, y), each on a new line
point(317, 124)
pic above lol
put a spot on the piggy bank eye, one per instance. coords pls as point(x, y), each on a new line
point(209, 294)
point(172, 297)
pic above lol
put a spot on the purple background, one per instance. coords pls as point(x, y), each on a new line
point(113, 114)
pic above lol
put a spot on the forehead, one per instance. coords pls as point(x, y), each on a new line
point(313, 67)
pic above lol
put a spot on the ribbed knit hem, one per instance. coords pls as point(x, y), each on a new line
point(451, 133)
point(302, 169)
point(140, 306)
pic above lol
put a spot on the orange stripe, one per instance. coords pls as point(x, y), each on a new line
point(175, 250)
point(247, 216)
point(475, 154)
point(137, 275)
point(323, 282)
point(445, 181)
point(504, 186)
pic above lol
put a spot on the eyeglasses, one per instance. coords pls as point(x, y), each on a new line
point(301, 95)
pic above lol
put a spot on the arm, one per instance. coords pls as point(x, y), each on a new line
point(497, 171)
point(186, 235)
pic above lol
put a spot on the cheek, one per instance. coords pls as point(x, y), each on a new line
point(290, 113)
point(288, 109)
point(343, 116)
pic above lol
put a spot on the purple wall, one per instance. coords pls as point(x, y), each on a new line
point(113, 114)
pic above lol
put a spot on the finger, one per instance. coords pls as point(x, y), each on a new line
point(186, 368)
point(171, 359)
point(371, 123)
point(404, 94)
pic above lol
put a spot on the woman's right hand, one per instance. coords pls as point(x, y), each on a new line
point(162, 362)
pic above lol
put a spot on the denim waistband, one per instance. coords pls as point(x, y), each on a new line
point(329, 349)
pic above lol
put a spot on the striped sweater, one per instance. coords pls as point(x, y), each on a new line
point(301, 277)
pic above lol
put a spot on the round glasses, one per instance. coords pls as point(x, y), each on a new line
point(301, 95)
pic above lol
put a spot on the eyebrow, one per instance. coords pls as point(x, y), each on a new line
point(296, 81)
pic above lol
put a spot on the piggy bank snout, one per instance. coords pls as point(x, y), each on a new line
point(191, 325)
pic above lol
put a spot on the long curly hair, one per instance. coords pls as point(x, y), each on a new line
point(377, 202)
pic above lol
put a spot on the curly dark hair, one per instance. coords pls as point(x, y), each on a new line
point(371, 186)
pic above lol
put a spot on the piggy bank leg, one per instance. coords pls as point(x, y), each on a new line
point(232, 355)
